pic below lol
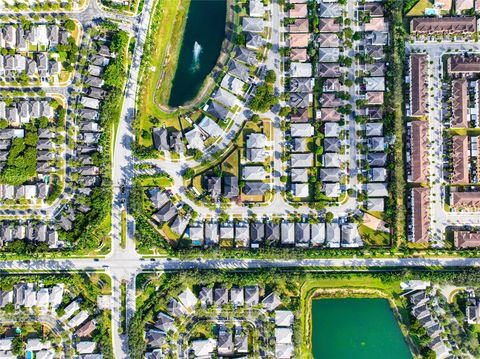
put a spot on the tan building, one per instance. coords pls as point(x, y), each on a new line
point(420, 214)
point(298, 40)
point(459, 159)
point(459, 65)
point(465, 200)
point(459, 103)
point(466, 239)
point(419, 160)
point(443, 25)
point(418, 85)
point(300, 25)
point(328, 25)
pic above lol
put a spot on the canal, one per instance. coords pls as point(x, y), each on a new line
point(202, 42)
point(360, 328)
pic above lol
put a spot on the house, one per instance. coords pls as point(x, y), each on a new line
point(272, 232)
point(257, 234)
point(158, 198)
point(242, 234)
point(298, 54)
point(328, 40)
point(179, 224)
point(330, 174)
point(271, 302)
point(287, 233)
point(299, 25)
point(328, 25)
point(206, 297)
point(252, 24)
point(420, 212)
point(239, 70)
point(317, 233)
point(418, 151)
point(155, 338)
point(283, 335)
point(227, 231)
point(466, 239)
point(460, 160)
point(254, 41)
point(166, 213)
point(255, 188)
point(218, 111)
point(443, 25)
point(236, 296)
point(301, 85)
point(301, 160)
point(252, 294)
point(328, 54)
point(87, 329)
point(301, 130)
point(332, 235)
point(220, 296)
point(203, 348)
point(300, 190)
point(332, 10)
point(232, 84)
point(299, 175)
point(256, 8)
point(224, 97)
point(195, 139)
point(165, 322)
point(210, 127)
point(211, 233)
point(160, 138)
point(301, 69)
point(254, 173)
point(225, 345)
point(246, 56)
point(86, 347)
point(350, 236)
point(188, 299)
point(230, 187)
point(298, 11)
point(284, 318)
point(298, 40)
point(195, 233)
point(176, 309)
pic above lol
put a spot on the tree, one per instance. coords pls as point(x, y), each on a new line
point(70, 25)
point(329, 217)
point(270, 77)
point(264, 99)
point(285, 111)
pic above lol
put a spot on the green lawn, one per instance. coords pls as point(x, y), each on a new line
point(373, 238)
point(419, 8)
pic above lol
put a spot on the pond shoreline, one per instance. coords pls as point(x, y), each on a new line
point(209, 82)
point(332, 293)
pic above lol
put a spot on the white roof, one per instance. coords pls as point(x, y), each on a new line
point(331, 129)
point(86, 347)
point(287, 233)
point(194, 139)
point(332, 189)
point(254, 173)
point(210, 127)
point(300, 189)
point(301, 69)
point(6, 344)
point(70, 310)
point(232, 84)
point(283, 335)
point(56, 295)
point(283, 318)
point(78, 319)
point(203, 347)
point(188, 299)
point(301, 130)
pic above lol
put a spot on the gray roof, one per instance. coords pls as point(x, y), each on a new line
point(166, 213)
point(217, 110)
point(255, 188)
point(245, 55)
point(230, 186)
point(239, 70)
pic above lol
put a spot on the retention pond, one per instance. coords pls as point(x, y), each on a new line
point(360, 328)
point(201, 46)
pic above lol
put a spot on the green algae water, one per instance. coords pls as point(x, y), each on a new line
point(201, 46)
point(356, 328)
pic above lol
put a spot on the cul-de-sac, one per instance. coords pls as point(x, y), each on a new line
point(239, 179)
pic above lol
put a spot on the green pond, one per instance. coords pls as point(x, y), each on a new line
point(356, 328)
point(202, 42)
